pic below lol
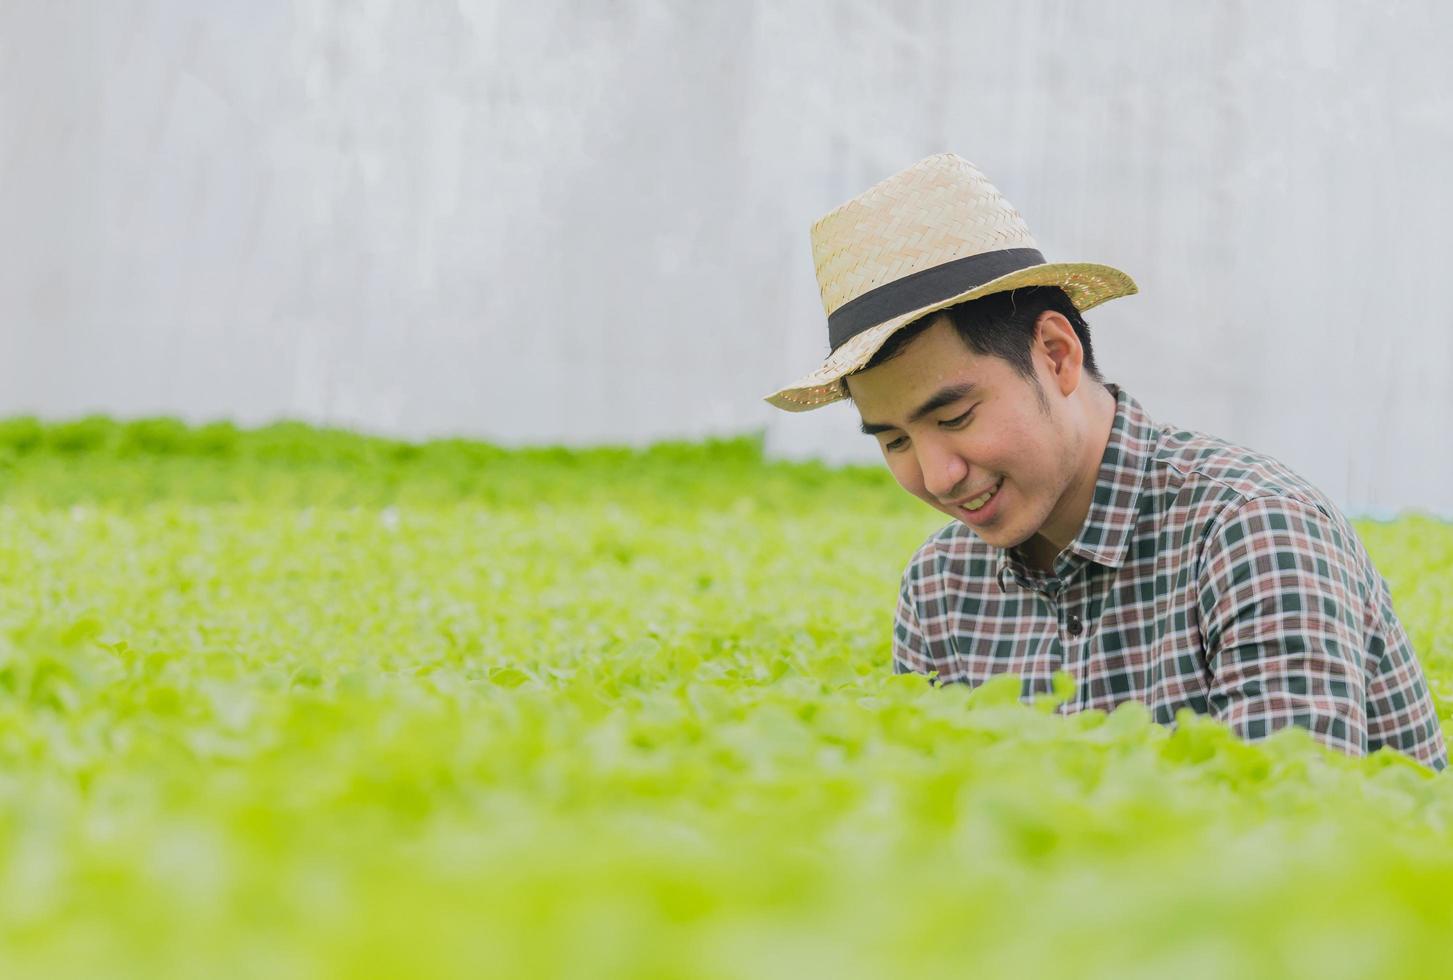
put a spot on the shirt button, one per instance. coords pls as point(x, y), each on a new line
point(1074, 625)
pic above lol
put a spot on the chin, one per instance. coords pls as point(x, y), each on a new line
point(997, 538)
point(1000, 537)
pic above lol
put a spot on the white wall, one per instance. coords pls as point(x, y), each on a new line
point(584, 222)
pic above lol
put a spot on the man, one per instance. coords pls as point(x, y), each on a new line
point(1151, 563)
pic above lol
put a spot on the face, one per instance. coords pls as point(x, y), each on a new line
point(954, 425)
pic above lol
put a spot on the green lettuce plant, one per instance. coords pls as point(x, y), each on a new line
point(294, 702)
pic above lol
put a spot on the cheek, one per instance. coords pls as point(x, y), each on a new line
point(910, 477)
point(906, 471)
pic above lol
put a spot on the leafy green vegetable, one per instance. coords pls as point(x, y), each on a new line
point(292, 702)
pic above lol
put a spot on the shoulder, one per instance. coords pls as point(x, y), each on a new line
point(1234, 510)
point(1278, 531)
point(1223, 491)
point(951, 550)
point(1210, 467)
point(1284, 557)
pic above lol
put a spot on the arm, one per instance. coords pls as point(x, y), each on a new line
point(1281, 618)
point(910, 648)
point(1405, 717)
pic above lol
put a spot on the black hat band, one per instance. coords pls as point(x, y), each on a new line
point(924, 288)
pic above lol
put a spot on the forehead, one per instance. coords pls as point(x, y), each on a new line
point(936, 358)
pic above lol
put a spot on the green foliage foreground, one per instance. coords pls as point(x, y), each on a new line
point(292, 703)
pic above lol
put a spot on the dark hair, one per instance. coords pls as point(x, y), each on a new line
point(1000, 325)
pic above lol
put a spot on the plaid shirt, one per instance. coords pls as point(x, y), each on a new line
point(1206, 577)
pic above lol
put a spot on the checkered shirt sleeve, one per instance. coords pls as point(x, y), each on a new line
point(1282, 624)
point(1283, 620)
point(910, 650)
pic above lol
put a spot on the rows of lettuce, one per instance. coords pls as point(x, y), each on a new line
point(323, 704)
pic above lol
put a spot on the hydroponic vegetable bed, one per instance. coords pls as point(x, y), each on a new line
point(291, 703)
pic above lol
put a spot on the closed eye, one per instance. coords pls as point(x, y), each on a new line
point(958, 421)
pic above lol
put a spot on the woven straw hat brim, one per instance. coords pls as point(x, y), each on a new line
point(1087, 285)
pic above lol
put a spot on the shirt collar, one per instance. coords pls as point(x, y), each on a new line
point(1105, 536)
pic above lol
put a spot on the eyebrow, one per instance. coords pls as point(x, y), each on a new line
point(940, 398)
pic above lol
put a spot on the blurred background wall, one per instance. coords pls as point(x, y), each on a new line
point(587, 222)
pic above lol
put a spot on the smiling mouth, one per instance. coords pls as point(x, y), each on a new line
point(977, 503)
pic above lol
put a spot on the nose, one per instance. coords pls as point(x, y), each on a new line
point(943, 470)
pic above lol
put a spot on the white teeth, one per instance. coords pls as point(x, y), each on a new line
point(978, 502)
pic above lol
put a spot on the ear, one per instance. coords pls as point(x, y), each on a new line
point(1056, 345)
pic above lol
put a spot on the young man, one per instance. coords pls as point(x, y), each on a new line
point(1151, 563)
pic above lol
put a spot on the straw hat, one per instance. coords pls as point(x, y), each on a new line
point(932, 236)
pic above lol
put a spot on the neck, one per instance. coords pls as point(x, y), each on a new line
point(1069, 515)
